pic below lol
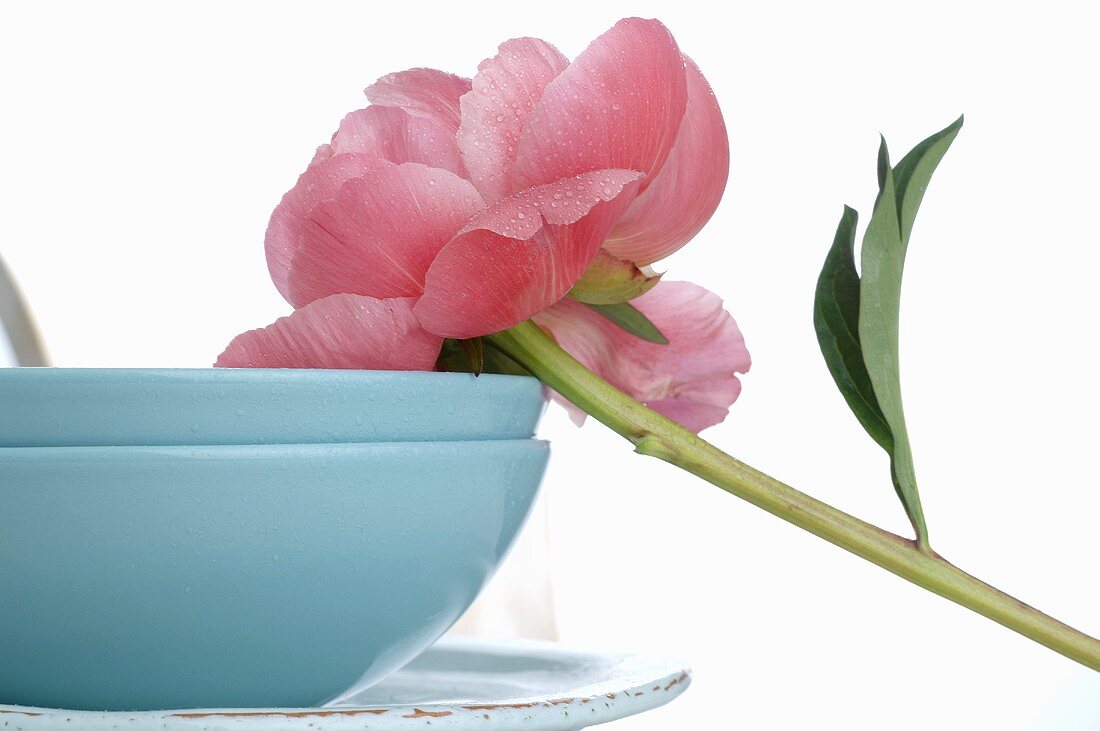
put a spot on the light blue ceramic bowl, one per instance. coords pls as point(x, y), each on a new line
point(167, 406)
point(137, 578)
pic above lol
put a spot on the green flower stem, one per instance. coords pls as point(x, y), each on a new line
point(657, 436)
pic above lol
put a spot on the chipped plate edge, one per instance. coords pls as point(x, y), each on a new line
point(651, 684)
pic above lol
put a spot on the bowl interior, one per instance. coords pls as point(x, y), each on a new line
point(140, 578)
point(122, 406)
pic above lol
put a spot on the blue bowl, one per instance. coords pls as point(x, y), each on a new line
point(141, 578)
point(60, 407)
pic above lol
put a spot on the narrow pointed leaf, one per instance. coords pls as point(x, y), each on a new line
point(630, 319)
point(836, 320)
point(883, 260)
point(458, 356)
point(856, 315)
point(912, 173)
point(883, 163)
point(475, 351)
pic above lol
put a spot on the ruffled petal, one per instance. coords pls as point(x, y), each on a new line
point(380, 232)
point(684, 195)
point(422, 92)
point(618, 105)
point(522, 255)
point(342, 331)
point(561, 203)
point(319, 182)
point(690, 380)
point(393, 134)
point(506, 88)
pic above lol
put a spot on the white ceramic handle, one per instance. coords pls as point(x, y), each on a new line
point(15, 316)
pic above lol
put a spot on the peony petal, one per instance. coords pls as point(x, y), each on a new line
point(618, 105)
point(395, 135)
point(319, 182)
point(522, 255)
point(684, 195)
point(689, 380)
point(562, 202)
point(422, 92)
point(692, 412)
point(506, 88)
point(342, 331)
point(379, 233)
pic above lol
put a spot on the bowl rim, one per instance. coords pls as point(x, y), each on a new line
point(276, 451)
point(237, 375)
point(192, 406)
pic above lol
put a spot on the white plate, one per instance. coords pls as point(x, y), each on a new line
point(489, 685)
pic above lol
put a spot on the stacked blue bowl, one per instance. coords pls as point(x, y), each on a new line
point(246, 538)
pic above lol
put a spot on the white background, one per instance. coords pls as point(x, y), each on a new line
point(142, 147)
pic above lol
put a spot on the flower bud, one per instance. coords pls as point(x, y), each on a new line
point(610, 280)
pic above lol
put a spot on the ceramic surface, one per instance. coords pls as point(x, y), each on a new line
point(122, 406)
point(459, 684)
point(168, 577)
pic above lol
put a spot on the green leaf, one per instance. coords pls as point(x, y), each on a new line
point(912, 173)
point(458, 356)
point(883, 260)
point(856, 316)
point(475, 351)
point(836, 320)
point(630, 319)
point(497, 361)
point(883, 163)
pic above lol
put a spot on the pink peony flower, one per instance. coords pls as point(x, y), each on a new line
point(456, 208)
